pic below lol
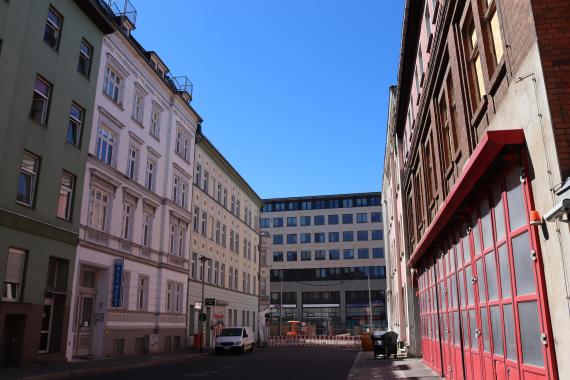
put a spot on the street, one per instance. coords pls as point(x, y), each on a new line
point(263, 363)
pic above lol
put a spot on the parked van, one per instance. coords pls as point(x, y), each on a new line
point(235, 339)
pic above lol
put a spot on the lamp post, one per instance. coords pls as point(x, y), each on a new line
point(203, 260)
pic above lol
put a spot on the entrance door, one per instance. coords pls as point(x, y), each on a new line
point(85, 325)
point(14, 328)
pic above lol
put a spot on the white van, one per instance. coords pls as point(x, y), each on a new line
point(235, 339)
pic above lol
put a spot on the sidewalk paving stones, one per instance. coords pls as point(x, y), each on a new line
point(365, 367)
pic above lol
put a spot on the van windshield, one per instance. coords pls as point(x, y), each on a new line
point(231, 332)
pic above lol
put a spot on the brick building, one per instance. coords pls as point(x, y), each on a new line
point(480, 138)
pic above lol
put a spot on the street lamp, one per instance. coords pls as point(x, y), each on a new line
point(203, 315)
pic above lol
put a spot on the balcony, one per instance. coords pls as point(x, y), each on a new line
point(123, 9)
point(184, 87)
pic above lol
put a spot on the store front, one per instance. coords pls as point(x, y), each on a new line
point(483, 304)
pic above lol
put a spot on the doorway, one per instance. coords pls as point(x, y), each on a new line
point(14, 329)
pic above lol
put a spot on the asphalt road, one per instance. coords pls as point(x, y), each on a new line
point(262, 364)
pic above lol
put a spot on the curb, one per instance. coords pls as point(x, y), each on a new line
point(66, 374)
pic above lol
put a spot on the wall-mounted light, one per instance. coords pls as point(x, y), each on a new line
point(535, 218)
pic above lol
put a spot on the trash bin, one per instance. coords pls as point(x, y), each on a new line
point(385, 344)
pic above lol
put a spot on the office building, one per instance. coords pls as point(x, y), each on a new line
point(326, 256)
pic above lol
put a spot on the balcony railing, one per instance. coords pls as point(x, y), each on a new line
point(183, 84)
point(122, 8)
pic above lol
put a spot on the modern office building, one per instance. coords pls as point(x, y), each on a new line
point(130, 284)
point(480, 136)
point(224, 245)
point(49, 60)
point(327, 261)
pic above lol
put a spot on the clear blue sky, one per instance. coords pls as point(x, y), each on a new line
point(294, 93)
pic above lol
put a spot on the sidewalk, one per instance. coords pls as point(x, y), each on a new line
point(98, 366)
point(365, 367)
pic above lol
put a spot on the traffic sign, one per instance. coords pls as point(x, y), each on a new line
point(210, 302)
point(203, 317)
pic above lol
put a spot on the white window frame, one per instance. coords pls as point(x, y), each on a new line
point(101, 206)
point(75, 122)
point(67, 192)
point(12, 287)
point(105, 144)
point(32, 172)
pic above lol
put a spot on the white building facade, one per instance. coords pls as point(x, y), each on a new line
point(225, 231)
point(130, 287)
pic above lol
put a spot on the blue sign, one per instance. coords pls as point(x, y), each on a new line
point(117, 282)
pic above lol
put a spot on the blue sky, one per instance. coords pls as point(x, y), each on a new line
point(294, 93)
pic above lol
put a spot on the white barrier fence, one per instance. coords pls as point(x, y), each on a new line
point(315, 341)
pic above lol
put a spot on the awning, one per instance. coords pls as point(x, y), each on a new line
point(483, 156)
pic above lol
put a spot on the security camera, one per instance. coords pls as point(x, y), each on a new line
point(559, 211)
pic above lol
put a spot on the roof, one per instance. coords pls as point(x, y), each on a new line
point(331, 196)
point(204, 141)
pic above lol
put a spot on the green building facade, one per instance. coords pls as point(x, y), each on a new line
point(49, 55)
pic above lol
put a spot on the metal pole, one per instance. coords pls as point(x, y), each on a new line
point(370, 302)
point(281, 301)
point(203, 260)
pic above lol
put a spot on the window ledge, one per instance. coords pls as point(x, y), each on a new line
point(118, 104)
point(479, 111)
point(137, 122)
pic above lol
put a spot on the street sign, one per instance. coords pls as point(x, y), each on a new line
point(203, 317)
point(117, 282)
point(210, 302)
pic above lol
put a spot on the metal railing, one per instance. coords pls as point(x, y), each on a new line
point(122, 8)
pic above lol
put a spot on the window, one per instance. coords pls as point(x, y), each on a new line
point(291, 238)
point(377, 234)
point(447, 121)
point(334, 237)
point(112, 85)
point(319, 220)
point(362, 235)
point(347, 236)
point(75, 125)
point(334, 254)
point(346, 218)
point(333, 219)
point(236, 245)
point(305, 221)
point(233, 207)
point(223, 275)
point(427, 21)
point(363, 253)
point(198, 177)
point(235, 279)
point(11, 291)
point(277, 256)
point(28, 179)
point(277, 239)
point(147, 229)
point(232, 240)
point(105, 144)
point(142, 293)
point(155, 122)
point(495, 28)
point(219, 196)
point(319, 237)
point(150, 175)
point(204, 223)
point(216, 272)
point(177, 237)
point(181, 147)
point(138, 106)
point(264, 223)
point(98, 209)
point(65, 198)
point(277, 222)
point(218, 230)
point(132, 162)
point(224, 235)
point(52, 31)
point(225, 203)
point(320, 254)
point(238, 208)
point(195, 217)
point(206, 181)
point(475, 60)
point(209, 272)
point(362, 218)
point(127, 221)
point(40, 101)
point(291, 221)
point(378, 253)
point(348, 254)
point(305, 255)
point(292, 256)
point(305, 238)
point(194, 266)
point(376, 217)
point(231, 278)
point(85, 55)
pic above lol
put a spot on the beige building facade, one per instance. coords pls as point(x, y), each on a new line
point(225, 232)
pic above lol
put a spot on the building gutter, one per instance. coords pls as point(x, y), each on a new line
point(485, 153)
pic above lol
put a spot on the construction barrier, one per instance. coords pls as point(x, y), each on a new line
point(339, 341)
